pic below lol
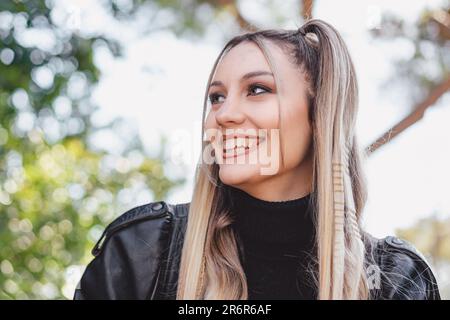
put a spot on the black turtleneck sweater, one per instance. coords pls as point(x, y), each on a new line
point(276, 241)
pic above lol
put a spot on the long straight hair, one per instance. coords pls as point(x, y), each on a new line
point(210, 265)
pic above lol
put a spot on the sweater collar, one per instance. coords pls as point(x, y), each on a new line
point(272, 228)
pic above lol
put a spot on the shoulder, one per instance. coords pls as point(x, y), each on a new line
point(397, 270)
point(129, 251)
point(147, 219)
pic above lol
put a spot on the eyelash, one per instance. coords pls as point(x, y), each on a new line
point(212, 96)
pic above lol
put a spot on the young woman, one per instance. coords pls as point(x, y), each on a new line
point(278, 196)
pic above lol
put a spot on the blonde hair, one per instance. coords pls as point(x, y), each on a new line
point(210, 264)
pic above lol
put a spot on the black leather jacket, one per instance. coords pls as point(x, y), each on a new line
point(139, 253)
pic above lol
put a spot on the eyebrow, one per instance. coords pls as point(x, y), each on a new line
point(244, 77)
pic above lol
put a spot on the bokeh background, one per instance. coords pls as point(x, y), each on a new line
point(100, 111)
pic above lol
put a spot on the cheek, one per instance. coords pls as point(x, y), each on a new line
point(297, 137)
point(298, 147)
point(210, 121)
point(264, 115)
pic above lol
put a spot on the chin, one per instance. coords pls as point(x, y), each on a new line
point(235, 175)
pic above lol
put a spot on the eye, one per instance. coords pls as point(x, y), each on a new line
point(213, 97)
point(255, 87)
point(253, 91)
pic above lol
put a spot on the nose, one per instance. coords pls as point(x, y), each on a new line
point(230, 113)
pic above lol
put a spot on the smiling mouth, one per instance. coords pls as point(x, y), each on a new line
point(244, 146)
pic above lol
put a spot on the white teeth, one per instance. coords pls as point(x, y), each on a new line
point(240, 142)
point(252, 142)
point(240, 150)
point(240, 145)
point(229, 144)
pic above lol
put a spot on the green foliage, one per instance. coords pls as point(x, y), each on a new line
point(431, 235)
point(56, 201)
point(57, 192)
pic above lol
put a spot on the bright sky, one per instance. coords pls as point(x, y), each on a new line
point(408, 179)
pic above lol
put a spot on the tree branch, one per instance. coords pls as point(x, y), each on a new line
point(442, 20)
point(411, 119)
point(307, 6)
point(244, 24)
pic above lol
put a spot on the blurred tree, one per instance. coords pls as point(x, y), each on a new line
point(432, 235)
point(427, 73)
point(57, 190)
point(426, 77)
point(195, 17)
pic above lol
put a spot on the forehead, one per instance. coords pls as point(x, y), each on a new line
point(245, 56)
point(248, 57)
